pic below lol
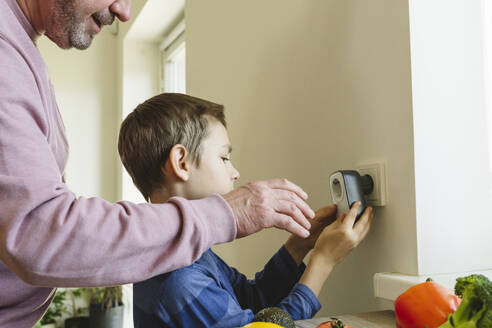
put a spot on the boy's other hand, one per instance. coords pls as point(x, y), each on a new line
point(299, 247)
point(272, 203)
point(341, 237)
point(323, 217)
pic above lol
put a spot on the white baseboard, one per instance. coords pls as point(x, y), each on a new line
point(389, 285)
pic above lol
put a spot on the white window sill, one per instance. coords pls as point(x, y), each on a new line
point(391, 285)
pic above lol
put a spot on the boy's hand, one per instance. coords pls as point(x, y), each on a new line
point(299, 247)
point(334, 243)
point(341, 237)
point(273, 203)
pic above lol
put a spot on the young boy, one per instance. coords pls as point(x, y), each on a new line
point(175, 145)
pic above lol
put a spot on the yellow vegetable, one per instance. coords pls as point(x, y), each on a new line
point(262, 325)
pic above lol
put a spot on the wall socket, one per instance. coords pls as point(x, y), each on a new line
point(377, 171)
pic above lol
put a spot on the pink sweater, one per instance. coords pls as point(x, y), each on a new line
point(49, 237)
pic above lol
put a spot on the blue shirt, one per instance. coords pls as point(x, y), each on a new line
point(209, 293)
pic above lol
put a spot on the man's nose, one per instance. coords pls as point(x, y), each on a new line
point(121, 9)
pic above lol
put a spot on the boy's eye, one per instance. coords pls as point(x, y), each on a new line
point(225, 159)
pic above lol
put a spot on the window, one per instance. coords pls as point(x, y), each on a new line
point(175, 71)
point(487, 48)
point(173, 61)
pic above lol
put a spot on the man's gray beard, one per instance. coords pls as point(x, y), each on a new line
point(69, 29)
point(78, 37)
point(64, 28)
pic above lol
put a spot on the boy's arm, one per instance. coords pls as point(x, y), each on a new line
point(277, 286)
point(270, 285)
point(316, 273)
point(333, 244)
point(283, 270)
point(189, 298)
point(196, 299)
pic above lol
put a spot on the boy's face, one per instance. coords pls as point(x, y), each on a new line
point(215, 173)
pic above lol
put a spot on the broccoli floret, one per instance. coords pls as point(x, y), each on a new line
point(463, 283)
point(475, 310)
point(275, 315)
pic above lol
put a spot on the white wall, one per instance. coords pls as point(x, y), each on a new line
point(85, 89)
point(311, 87)
point(140, 82)
point(122, 176)
point(452, 145)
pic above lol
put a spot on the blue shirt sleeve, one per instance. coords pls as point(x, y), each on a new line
point(275, 285)
point(301, 303)
point(212, 294)
point(194, 299)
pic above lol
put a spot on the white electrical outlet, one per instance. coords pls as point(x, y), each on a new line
point(377, 171)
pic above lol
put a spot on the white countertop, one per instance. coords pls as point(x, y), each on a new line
point(381, 319)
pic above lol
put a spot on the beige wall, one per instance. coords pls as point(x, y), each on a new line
point(311, 87)
point(85, 88)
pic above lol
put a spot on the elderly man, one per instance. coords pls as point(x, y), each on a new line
point(48, 236)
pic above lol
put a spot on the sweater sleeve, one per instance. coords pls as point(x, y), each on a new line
point(276, 285)
point(270, 285)
point(193, 297)
point(49, 237)
point(188, 298)
point(301, 303)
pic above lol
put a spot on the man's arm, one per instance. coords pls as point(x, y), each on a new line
point(50, 237)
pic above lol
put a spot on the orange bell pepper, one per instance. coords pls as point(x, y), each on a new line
point(425, 305)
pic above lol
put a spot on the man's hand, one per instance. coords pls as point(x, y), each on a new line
point(273, 203)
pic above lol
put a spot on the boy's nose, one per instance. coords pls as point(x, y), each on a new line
point(121, 9)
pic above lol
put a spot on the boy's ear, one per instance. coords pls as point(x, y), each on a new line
point(177, 163)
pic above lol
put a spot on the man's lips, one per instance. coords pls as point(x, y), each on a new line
point(98, 23)
point(104, 17)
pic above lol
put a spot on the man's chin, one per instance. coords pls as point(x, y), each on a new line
point(81, 46)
